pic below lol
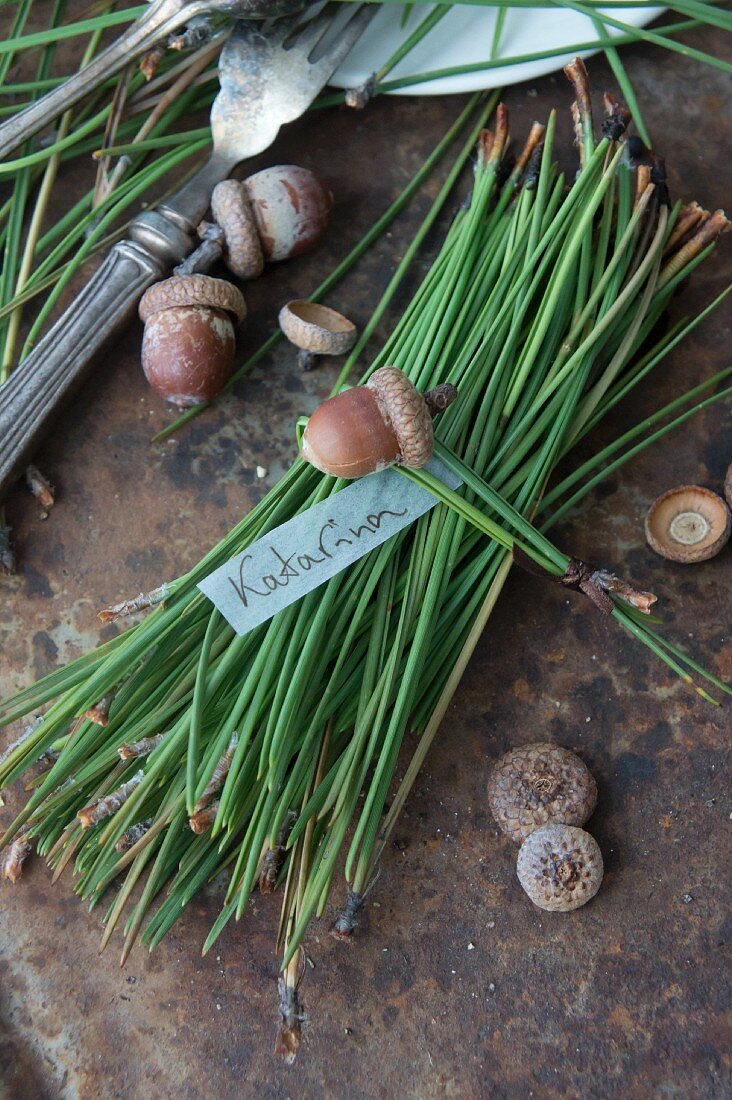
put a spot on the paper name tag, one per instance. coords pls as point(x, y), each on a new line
point(314, 546)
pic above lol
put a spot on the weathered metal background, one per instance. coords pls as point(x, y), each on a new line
point(456, 985)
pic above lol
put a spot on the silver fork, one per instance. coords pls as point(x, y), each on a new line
point(267, 79)
point(161, 18)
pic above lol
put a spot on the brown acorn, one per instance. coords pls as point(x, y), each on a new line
point(385, 423)
point(189, 343)
point(540, 784)
point(560, 867)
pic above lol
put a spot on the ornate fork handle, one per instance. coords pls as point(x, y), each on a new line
point(162, 17)
point(60, 362)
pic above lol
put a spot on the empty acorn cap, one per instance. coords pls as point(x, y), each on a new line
point(560, 867)
point(316, 328)
point(688, 524)
point(540, 784)
point(728, 485)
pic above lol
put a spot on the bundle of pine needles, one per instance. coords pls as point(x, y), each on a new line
point(179, 750)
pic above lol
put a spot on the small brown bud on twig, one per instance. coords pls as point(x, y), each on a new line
point(40, 487)
point(140, 748)
point(345, 923)
point(617, 118)
point(275, 856)
point(105, 807)
point(219, 774)
point(608, 582)
point(99, 713)
point(202, 820)
point(291, 1019)
point(150, 61)
point(359, 97)
point(138, 603)
point(15, 857)
point(131, 836)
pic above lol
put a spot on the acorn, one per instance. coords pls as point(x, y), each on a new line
point(386, 422)
point(274, 215)
point(316, 330)
point(189, 343)
point(688, 524)
point(560, 867)
point(540, 784)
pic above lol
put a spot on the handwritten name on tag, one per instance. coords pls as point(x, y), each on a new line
point(314, 546)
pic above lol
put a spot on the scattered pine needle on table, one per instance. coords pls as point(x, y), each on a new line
point(271, 757)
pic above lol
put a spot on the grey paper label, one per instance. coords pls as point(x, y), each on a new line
point(309, 549)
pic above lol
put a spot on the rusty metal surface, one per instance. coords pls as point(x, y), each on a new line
point(456, 985)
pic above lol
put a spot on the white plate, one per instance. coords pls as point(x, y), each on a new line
point(464, 37)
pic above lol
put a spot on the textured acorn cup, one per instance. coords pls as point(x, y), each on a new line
point(560, 867)
point(189, 343)
point(291, 208)
point(233, 213)
point(387, 422)
point(537, 785)
point(688, 524)
point(317, 329)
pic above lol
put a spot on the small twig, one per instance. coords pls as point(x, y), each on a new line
point(138, 603)
point(439, 397)
point(7, 555)
point(209, 251)
point(99, 713)
point(202, 821)
point(359, 97)
point(15, 857)
point(195, 34)
point(576, 73)
point(140, 748)
point(103, 183)
point(275, 856)
point(617, 118)
point(40, 486)
point(689, 218)
point(27, 732)
point(105, 807)
point(290, 1011)
point(219, 774)
point(345, 923)
point(131, 836)
point(708, 232)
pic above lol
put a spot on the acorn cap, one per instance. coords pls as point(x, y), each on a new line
point(540, 784)
point(688, 524)
point(317, 328)
point(560, 867)
point(193, 290)
point(404, 407)
point(232, 211)
point(728, 485)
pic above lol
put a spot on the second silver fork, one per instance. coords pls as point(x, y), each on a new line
point(267, 79)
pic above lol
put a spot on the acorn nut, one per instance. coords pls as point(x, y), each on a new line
point(540, 784)
point(386, 422)
point(688, 524)
point(273, 215)
point(560, 867)
point(316, 330)
point(188, 344)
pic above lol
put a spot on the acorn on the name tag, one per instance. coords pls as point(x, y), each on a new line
point(386, 422)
